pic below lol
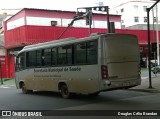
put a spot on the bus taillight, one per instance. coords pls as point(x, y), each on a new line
point(104, 72)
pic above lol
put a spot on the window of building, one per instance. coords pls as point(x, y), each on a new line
point(136, 7)
point(122, 21)
point(136, 19)
point(122, 10)
point(155, 19)
point(144, 8)
point(145, 19)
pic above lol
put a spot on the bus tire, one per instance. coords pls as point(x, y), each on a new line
point(24, 89)
point(64, 91)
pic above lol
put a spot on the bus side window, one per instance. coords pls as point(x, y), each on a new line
point(92, 52)
point(20, 62)
point(54, 56)
point(80, 55)
point(47, 57)
point(38, 58)
point(17, 63)
point(69, 54)
point(61, 56)
point(65, 55)
point(27, 59)
point(86, 53)
point(32, 59)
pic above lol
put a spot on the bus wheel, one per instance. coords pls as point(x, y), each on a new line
point(64, 91)
point(24, 90)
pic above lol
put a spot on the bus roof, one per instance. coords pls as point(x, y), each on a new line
point(48, 43)
point(65, 41)
point(55, 43)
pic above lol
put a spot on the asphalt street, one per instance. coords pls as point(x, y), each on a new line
point(137, 98)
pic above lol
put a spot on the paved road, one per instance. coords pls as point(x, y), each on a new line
point(14, 99)
point(11, 98)
point(138, 98)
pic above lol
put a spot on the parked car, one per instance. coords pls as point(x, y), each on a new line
point(156, 69)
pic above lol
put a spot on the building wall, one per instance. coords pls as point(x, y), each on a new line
point(135, 9)
point(34, 25)
point(3, 67)
point(26, 35)
point(63, 18)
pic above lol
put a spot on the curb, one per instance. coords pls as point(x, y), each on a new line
point(8, 82)
point(144, 87)
point(7, 79)
point(147, 90)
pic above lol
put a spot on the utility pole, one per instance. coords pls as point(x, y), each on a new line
point(96, 8)
point(108, 21)
point(157, 34)
point(149, 44)
point(89, 19)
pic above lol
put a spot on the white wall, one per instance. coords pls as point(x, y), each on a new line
point(41, 21)
point(2, 52)
point(16, 23)
point(130, 12)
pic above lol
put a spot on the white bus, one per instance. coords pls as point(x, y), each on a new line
point(88, 65)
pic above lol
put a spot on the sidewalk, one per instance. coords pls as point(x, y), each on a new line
point(145, 85)
point(8, 82)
